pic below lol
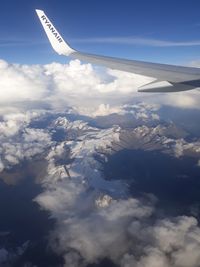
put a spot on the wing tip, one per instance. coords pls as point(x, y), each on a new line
point(57, 42)
point(39, 11)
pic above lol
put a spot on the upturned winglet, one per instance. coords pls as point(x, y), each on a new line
point(56, 40)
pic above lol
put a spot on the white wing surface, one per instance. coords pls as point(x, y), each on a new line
point(179, 78)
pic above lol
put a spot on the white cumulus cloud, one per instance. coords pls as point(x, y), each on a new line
point(82, 87)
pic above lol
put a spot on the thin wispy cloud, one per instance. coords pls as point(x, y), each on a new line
point(6, 42)
point(107, 40)
point(138, 41)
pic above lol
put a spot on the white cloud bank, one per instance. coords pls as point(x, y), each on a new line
point(18, 142)
point(82, 87)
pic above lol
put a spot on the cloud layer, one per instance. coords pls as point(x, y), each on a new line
point(88, 90)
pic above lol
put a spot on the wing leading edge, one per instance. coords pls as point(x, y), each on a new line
point(179, 78)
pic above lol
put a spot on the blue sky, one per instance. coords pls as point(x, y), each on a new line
point(159, 31)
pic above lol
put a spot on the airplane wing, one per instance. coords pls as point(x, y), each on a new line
point(179, 78)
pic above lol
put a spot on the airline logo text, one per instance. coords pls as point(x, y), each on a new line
point(48, 24)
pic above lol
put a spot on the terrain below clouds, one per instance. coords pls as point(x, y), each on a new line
point(112, 169)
